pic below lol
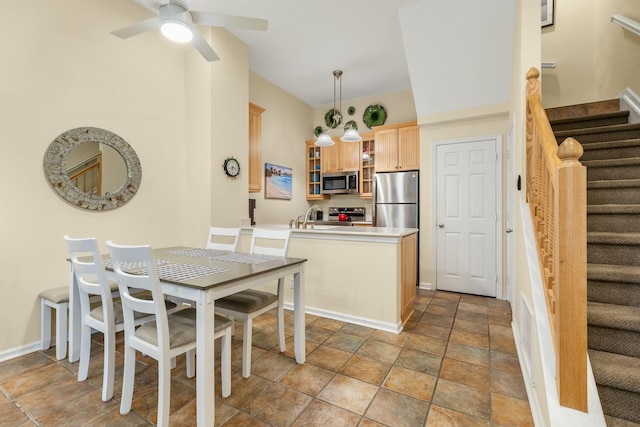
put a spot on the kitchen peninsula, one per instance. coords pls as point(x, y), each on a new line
point(361, 275)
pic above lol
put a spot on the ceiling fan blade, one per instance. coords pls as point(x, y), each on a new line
point(203, 47)
point(151, 5)
point(229, 21)
point(138, 28)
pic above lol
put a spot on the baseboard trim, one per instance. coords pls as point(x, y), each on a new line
point(629, 99)
point(12, 353)
point(534, 404)
point(362, 321)
point(427, 286)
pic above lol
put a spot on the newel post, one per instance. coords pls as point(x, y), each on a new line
point(570, 205)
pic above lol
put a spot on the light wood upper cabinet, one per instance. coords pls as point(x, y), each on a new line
point(255, 157)
point(397, 147)
point(368, 161)
point(342, 156)
point(314, 164)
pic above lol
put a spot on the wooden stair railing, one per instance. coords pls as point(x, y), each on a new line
point(88, 175)
point(556, 193)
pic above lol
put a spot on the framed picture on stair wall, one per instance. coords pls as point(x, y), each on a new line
point(547, 12)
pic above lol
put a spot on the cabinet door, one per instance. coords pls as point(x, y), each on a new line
point(409, 276)
point(331, 158)
point(314, 160)
point(386, 150)
point(350, 155)
point(409, 148)
point(255, 160)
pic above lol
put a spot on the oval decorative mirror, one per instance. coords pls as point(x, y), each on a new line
point(92, 168)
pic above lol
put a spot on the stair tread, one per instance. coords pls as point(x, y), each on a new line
point(613, 209)
point(618, 422)
point(561, 134)
point(626, 161)
point(614, 183)
point(589, 117)
point(613, 237)
point(585, 108)
point(611, 272)
point(616, 370)
point(611, 144)
point(623, 317)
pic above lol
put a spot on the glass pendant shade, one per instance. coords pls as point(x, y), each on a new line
point(176, 30)
point(351, 135)
point(324, 140)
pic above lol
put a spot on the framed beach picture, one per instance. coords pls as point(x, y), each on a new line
point(278, 182)
point(547, 12)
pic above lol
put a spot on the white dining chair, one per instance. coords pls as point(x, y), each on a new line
point(222, 238)
point(91, 280)
point(98, 309)
point(170, 335)
point(54, 299)
point(246, 305)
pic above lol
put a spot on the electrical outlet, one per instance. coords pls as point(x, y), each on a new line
point(291, 283)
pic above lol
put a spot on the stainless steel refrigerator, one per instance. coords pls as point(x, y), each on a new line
point(396, 199)
point(396, 202)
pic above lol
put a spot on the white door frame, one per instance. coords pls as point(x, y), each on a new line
point(499, 192)
point(510, 212)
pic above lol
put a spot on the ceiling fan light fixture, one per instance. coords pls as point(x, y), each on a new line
point(176, 30)
point(324, 140)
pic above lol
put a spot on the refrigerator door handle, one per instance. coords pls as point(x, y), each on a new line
point(373, 201)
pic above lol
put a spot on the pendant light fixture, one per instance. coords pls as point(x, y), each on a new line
point(335, 118)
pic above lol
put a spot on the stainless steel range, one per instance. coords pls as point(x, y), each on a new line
point(348, 215)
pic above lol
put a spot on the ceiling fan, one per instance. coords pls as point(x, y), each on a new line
point(176, 22)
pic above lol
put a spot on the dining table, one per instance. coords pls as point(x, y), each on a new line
point(201, 276)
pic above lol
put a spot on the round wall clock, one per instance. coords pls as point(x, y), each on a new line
point(231, 167)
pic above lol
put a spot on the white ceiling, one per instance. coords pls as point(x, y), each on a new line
point(455, 54)
point(307, 40)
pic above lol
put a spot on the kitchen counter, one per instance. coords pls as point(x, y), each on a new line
point(361, 232)
point(361, 275)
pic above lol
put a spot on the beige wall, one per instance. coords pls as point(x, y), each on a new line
point(285, 127)
point(65, 71)
point(181, 114)
point(468, 123)
point(596, 59)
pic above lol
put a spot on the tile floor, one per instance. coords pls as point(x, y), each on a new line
point(454, 365)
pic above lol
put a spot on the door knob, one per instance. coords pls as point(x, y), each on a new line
point(509, 230)
point(441, 225)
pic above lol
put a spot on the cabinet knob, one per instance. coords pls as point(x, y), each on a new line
point(440, 225)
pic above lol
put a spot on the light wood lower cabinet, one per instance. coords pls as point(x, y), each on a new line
point(409, 276)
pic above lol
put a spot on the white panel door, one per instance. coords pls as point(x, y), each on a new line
point(466, 217)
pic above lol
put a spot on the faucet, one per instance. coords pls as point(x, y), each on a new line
point(306, 214)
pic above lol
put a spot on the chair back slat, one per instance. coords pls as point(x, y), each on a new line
point(90, 275)
point(278, 242)
point(219, 236)
point(145, 278)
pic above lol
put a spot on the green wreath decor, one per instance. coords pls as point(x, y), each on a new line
point(374, 115)
point(330, 120)
point(351, 124)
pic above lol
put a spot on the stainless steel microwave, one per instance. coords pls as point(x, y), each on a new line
point(340, 182)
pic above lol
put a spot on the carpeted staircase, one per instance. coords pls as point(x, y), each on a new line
point(612, 157)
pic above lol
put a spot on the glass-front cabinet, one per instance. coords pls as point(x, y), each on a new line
point(314, 165)
point(368, 168)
